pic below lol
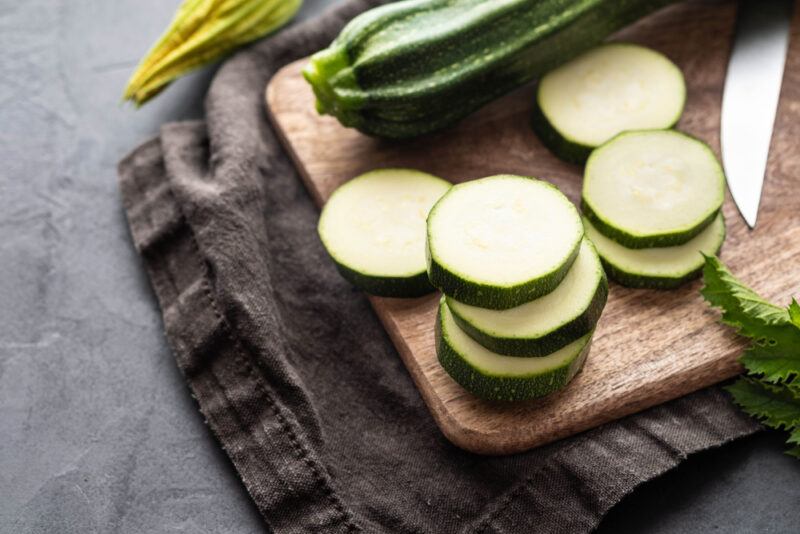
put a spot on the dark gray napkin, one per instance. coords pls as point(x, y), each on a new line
point(296, 377)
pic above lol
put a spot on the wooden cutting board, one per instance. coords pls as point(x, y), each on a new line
point(650, 346)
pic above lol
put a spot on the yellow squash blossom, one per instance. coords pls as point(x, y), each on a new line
point(202, 32)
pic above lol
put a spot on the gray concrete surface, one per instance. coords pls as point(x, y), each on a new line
point(98, 433)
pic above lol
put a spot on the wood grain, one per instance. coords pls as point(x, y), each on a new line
point(650, 346)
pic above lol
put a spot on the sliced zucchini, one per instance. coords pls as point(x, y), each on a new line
point(492, 376)
point(657, 268)
point(546, 324)
point(501, 241)
point(608, 90)
point(373, 227)
point(652, 188)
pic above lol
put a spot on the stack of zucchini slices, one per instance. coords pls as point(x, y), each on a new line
point(651, 202)
point(523, 288)
point(651, 196)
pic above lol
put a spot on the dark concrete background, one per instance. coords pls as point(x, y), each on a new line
point(98, 433)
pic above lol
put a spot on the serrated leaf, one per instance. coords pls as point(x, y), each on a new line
point(775, 353)
point(773, 358)
point(794, 313)
point(774, 364)
point(775, 406)
point(794, 439)
point(742, 306)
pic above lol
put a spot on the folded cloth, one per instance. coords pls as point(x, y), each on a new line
point(299, 381)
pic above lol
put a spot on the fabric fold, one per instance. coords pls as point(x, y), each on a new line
point(268, 447)
point(296, 377)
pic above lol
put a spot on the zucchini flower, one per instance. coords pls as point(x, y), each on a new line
point(202, 32)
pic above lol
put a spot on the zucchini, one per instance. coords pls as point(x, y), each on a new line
point(492, 376)
point(658, 268)
point(656, 188)
point(412, 67)
point(501, 241)
point(373, 228)
point(610, 89)
point(547, 324)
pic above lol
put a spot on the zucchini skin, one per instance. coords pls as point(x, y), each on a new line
point(550, 342)
point(638, 281)
point(641, 281)
point(406, 287)
point(492, 296)
point(412, 67)
point(628, 240)
point(503, 388)
point(562, 147)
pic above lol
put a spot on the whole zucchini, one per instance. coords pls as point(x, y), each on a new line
point(411, 67)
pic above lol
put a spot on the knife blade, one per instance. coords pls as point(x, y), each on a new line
point(750, 98)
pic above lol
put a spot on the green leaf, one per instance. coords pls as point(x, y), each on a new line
point(794, 439)
point(775, 331)
point(777, 407)
point(771, 392)
point(775, 364)
point(741, 306)
point(794, 313)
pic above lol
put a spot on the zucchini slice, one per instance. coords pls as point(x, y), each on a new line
point(501, 241)
point(492, 376)
point(658, 268)
point(652, 188)
point(373, 227)
point(546, 324)
point(608, 90)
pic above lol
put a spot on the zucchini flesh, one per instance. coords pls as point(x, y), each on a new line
point(501, 241)
point(652, 188)
point(547, 324)
point(658, 268)
point(613, 88)
point(373, 227)
point(411, 67)
point(493, 376)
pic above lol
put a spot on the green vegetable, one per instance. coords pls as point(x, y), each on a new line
point(652, 188)
point(661, 267)
point(412, 67)
point(502, 241)
point(546, 324)
point(771, 390)
point(610, 89)
point(202, 32)
point(373, 228)
point(495, 377)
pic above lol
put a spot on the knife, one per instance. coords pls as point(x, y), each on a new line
point(750, 98)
